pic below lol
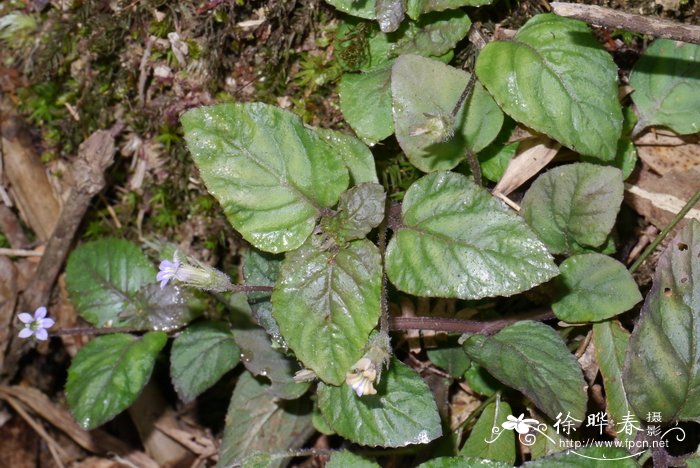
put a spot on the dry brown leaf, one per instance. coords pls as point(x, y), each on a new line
point(533, 155)
point(96, 441)
point(659, 198)
point(665, 152)
point(29, 184)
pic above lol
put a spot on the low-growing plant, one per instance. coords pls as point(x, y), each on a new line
point(329, 257)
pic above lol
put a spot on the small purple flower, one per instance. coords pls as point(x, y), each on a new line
point(36, 325)
point(168, 271)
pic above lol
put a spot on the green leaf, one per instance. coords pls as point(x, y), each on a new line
point(594, 287)
point(345, 459)
point(402, 412)
point(361, 8)
point(481, 381)
point(588, 457)
point(538, 79)
point(365, 101)
point(200, 356)
point(494, 160)
point(451, 357)
point(271, 174)
point(256, 422)
point(610, 343)
point(462, 462)
point(434, 34)
point(666, 82)
point(432, 139)
point(156, 308)
point(415, 8)
point(662, 365)
point(103, 277)
point(520, 356)
point(360, 210)
point(326, 303)
point(261, 269)
point(625, 159)
point(575, 203)
point(357, 156)
point(107, 375)
point(481, 443)
point(456, 240)
point(549, 442)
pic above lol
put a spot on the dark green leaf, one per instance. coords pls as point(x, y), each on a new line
point(575, 203)
point(426, 130)
point(434, 34)
point(360, 210)
point(326, 303)
point(666, 82)
point(347, 459)
point(662, 365)
point(365, 101)
point(256, 422)
point(588, 457)
point(261, 269)
point(484, 443)
point(537, 78)
point(494, 160)
point(361, 8)
point(103, 277)
point(481, 381)
point(462, 462)
point(200, 356)
point(594, 287)
point(415, 8)
point(456, 240)
point(271, 174)
point(451, 357)
point(610, 343)
point(107, 375)
point(520, 356)
point(402, 412)
point(156, 308)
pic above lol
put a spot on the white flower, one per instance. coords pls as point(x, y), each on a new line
point(198, 276)
point(521, 425)
point(36, 325)
point(362, 376)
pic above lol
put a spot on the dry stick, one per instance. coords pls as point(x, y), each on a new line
point(662, 235)
point(484, 327)
point(94, 156)
point(614, 19)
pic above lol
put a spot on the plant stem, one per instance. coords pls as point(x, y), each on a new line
point(93, 331)
point(249, 288)
point(384, 317)
point(662, 235)
point(474, 414)
point(484, 327)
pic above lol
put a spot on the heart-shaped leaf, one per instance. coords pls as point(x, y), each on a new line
point(430, 136)
point(594, 287)
point(666, 82)
point(271, 174)
point(433, 34)
point(402, 412)
point(662, 365)
point(107, 375)
point(103, 278)
point(326, 302)
point(255, 422)
point(456, 240)
point(574, 204)
point(520, 356)
point(200, 356)
point(538, 79)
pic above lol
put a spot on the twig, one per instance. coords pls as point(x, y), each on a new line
point(662, 235)
point(613, 19)
point(20, 253)
point(484, 327)
point(94, 156)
